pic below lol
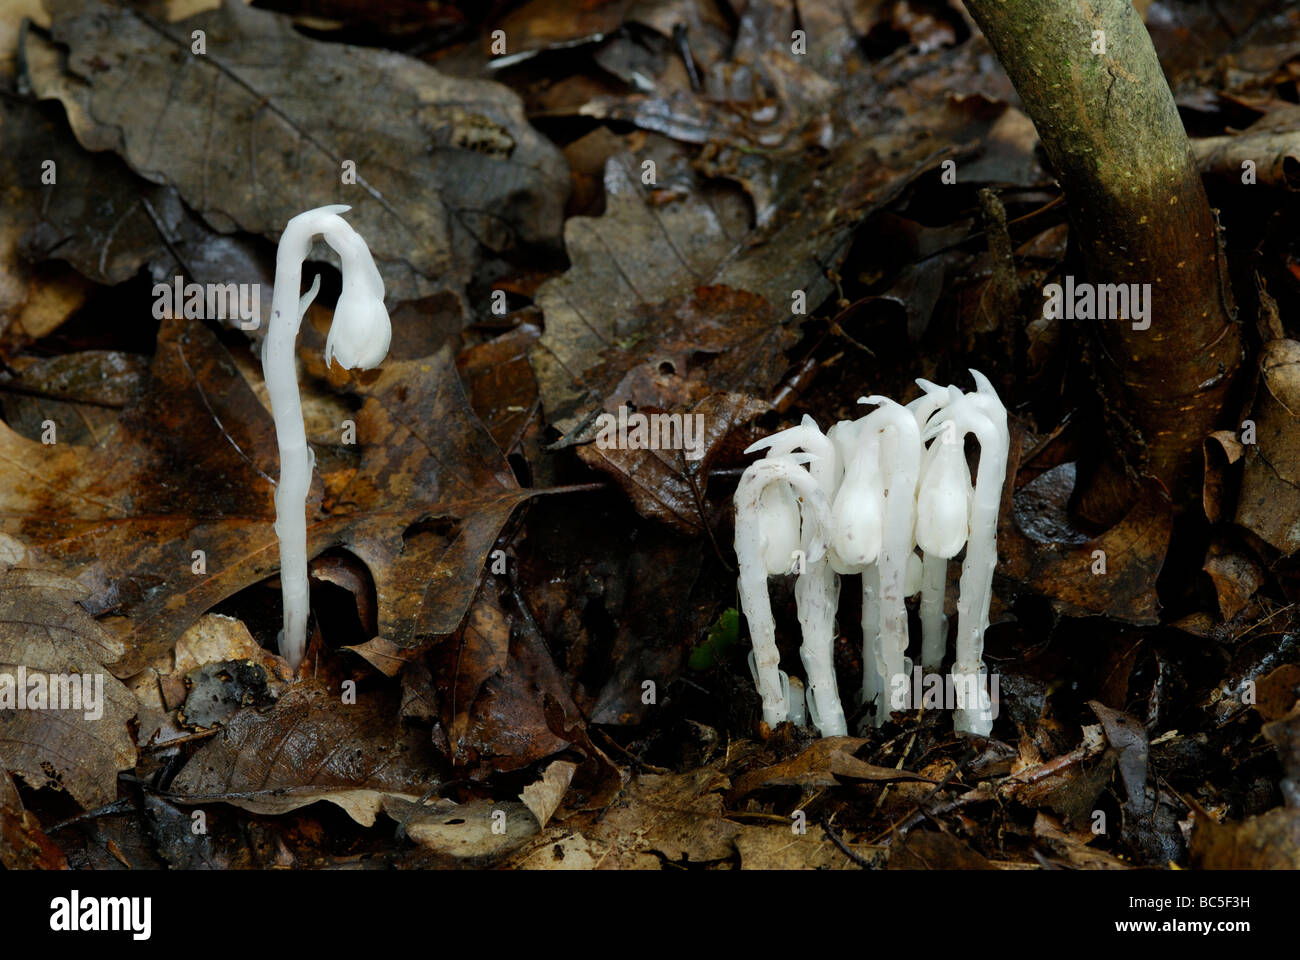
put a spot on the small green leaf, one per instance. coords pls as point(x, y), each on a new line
point(716, 646)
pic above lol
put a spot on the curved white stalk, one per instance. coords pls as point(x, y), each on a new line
point(983, 415)
point(817, 589)
point(757, 524)
point(359, 337)
point(903, 471)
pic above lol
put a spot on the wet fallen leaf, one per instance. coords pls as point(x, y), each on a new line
point(481, 830)
point(676, 817)
point(24, 846)
point(1278, 691)
point(1269, 501)
point(780, 848)
point(1066, 783)
point(639, 254)
point(666, 482)
point(1073, 845)
point(491, 678)
point(426, 223)
point(1222, 450)
point(102, 218)
point(924, 850)
point(629, 617)
point(543, 798)
point(500, 383)
point(1270, 841)
point(1112, 574)
point(189, 469)
point(312, 745)
point(827, 763)
point(63, 718)
point(161, 689)
point(1236, 576)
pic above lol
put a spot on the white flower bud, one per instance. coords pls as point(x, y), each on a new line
point(361, 333)
point(943, 503)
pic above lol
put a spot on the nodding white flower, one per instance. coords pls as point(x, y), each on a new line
point(858, 513)
point(817, 589)
point(893, 430)
point(943, 503)
point(981, 415)
point(361, 332)
point(943, 499)
point(359, 337)
point(761, 522)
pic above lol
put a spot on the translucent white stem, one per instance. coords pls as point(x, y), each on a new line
point(281, 373)
point(751, 558)
point(872, 682)
point(934, 625)
point(817, 593)
point(901, 475)
point(797, 701)
point(977, 573)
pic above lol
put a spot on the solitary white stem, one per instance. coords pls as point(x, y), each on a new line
point(359, 337)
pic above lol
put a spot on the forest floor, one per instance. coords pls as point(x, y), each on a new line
point(526, 649)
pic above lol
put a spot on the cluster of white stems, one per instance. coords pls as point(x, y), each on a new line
point(862, 499)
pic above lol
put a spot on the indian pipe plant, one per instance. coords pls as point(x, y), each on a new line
point(862, 499)
point(359, 338)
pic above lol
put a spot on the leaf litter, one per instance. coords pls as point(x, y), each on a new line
point(506, 668)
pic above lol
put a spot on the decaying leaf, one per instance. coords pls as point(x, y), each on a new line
point(1112, 574)
point(640, 253)
point(190, 469)
point(101, 218)
point(1269, 501)
point(492, 679)
point(1236, 575)
point(1270, 841)
point(132, 84)
point(161, 689)
point(826, 763)
point(1073, 845)
point(676, 817)
point(666, 479)
point(312, 745)
point(543, 797)
point(1222, 449)
point(63, 716)
point(780, 848)
point(481, 830)
point(24, 846)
